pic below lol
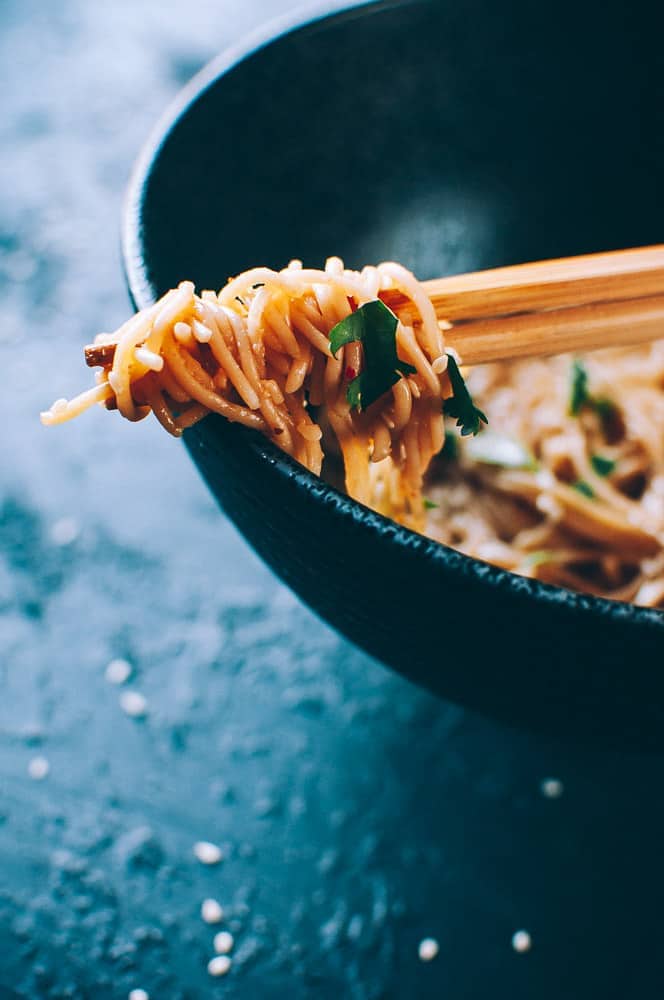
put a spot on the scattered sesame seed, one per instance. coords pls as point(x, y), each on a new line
point(38, 768)
point(65, 531)
point(219, 965)
point(521, 941)
point(211, 911)
point(552, 788)
point(428, 949)
point(133, 703)
point(139, 995)
point(207, 853)
point(118, 671)
point(223, 942)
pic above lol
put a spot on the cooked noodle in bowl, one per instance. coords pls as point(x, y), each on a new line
point(566, 485)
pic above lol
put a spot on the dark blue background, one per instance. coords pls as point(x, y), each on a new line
point(357, 814)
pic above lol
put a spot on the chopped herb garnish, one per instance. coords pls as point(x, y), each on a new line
point(602, 466)
point(429, 504)
point(579, 395)
point(586, 490)
point(451, 447)
point(607, 411)
point(375, 326)
point(460, 404)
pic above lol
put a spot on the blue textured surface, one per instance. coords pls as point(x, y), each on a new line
point(357, 814)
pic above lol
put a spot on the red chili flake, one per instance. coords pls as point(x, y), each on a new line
point(350, 372)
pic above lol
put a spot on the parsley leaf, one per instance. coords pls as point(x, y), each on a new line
point(429, 504)
point(602, 466)
point(608, 414)
point(582, 487)
point(375, 326)
point(460, 404)
point(451, 446)
point(579, 395)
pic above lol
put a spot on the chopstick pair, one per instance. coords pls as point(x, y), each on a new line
point(573, 304)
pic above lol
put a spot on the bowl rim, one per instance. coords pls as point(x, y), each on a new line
point(142, 293)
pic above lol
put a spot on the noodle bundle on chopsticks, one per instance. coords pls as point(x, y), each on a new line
point(259, 353)
point(567, 486)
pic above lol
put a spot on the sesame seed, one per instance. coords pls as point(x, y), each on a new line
point(139, 995)
point(211, 911)
point(428, 949)
point(219, 965)
point(207, 853)
point(118, 671)
point(65, 531)
point(551, 788)
point(38, 768)
point(521, 942)
point(223, 942)
point(133, 703)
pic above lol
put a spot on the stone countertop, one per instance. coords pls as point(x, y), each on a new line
point(356, 815)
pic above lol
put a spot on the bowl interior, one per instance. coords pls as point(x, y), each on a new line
point(446, 136)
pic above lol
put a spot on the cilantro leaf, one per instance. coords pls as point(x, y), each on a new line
point(602, 466)
point(582, 487)
point(609, 416)
point(460, 404)
point(451, 446)
point(375, 326)
point(579, 395)
point(429, 504)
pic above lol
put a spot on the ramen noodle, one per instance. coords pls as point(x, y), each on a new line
point(259, 353)
point(567, 484)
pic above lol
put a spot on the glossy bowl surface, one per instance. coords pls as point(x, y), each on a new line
point(449, 137)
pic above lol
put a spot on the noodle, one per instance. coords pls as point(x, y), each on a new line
point(258, 353)
point(567, 486)
point(575, 499)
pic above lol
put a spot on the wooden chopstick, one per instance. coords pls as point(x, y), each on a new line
point(573, 304)
point(549, 284)
point(559, 331)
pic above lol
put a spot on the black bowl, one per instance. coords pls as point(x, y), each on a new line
point(447, 136)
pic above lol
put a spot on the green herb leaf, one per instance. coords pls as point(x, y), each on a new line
point(492, 448)
point(375, 326)
point(451, 446)
point(429, 504)
point(581, 486)
point(579, 395)
point(460, 404)
point(602, 466)
point(607, 411)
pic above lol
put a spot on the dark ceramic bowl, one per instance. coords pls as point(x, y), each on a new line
point(448, 136)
